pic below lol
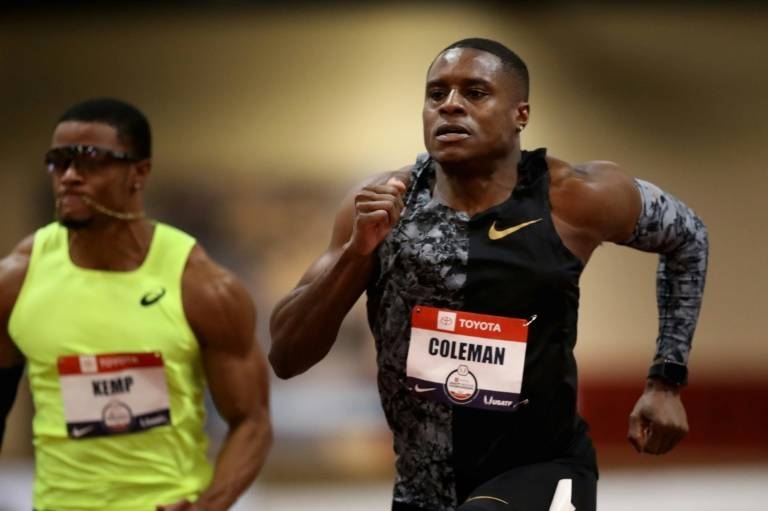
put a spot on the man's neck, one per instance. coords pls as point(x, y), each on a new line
point(475, 187)
point(111, 245)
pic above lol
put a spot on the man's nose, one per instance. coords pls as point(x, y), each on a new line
point(453, 102)
point(71, 174)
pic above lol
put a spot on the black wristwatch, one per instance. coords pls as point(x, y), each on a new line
point(672, 373)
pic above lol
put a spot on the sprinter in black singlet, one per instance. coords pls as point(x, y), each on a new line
point(471, 260)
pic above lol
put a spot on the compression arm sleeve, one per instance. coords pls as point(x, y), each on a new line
point(672, 229)
point(9, 383)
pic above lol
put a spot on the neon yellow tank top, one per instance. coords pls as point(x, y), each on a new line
point(116, 378)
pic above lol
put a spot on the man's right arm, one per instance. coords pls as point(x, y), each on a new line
point(13, 269)
point(305, 323)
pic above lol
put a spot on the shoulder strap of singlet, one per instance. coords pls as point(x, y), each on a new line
point(170, 250)
point(420, 175)
point(531, 168)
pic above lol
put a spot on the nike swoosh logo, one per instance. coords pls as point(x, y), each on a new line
point(422, 389)
point(496, 234)
point(78, 432)
point(152, 297)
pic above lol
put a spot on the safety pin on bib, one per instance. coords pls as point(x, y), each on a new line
point(533, 318)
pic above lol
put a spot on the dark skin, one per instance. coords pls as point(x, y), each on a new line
point(217, 306)
point(474, 111)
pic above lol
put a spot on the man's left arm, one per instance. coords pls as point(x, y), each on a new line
point(223, 317)
point(609, 205)
point(668, 227)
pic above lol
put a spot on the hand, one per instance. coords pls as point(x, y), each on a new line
point(658, 421)
point(182, 505)
point(377, 209)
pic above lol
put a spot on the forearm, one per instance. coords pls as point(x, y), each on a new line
point(669, 227)
point(239, 462)
point(305, 324)
point(679, 290)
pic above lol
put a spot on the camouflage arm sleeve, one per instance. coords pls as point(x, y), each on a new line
point(672, 229)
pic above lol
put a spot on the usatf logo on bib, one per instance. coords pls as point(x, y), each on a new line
point(467, 359)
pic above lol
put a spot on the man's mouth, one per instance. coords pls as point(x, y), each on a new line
point(451, 132)
point(69, 199)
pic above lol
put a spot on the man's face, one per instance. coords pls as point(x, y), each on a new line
point(87, 159)
point(472, 107)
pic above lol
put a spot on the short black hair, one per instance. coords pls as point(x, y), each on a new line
point(509, 59)
point(131, 125)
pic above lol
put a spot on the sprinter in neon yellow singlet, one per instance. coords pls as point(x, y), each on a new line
point(121, 321)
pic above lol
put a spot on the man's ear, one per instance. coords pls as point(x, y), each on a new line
point(141, 171)
point(522, 114)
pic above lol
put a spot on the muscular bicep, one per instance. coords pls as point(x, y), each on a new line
point(223, 318)
point(237, 379)
point(13, 270)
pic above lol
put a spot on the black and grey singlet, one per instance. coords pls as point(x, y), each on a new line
point(440, 257)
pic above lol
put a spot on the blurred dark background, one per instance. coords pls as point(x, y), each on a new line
point(264, 115)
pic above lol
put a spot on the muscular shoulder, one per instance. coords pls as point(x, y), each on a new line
point(596, 196)
point(216, 303)
point(596, 180)
point(19, 256)
point(13, 269)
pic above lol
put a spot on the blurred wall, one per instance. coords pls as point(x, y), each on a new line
point(263, 118)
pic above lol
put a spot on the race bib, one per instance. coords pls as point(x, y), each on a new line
point(467, 359)
point(113, 394)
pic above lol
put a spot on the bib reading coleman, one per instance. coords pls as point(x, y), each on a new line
point(502, 396)
point(467, 359)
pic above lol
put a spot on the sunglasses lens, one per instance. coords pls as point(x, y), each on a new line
point(86, 158)
point(59, 159)
point(91, 159)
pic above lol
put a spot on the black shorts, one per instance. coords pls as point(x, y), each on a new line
point(532, 488)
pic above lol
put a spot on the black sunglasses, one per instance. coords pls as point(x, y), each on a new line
point(87, 158)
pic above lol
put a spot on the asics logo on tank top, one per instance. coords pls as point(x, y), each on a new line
point(152, 297)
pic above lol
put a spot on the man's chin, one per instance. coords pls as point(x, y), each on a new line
point(451, 156)
point(75, 223)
